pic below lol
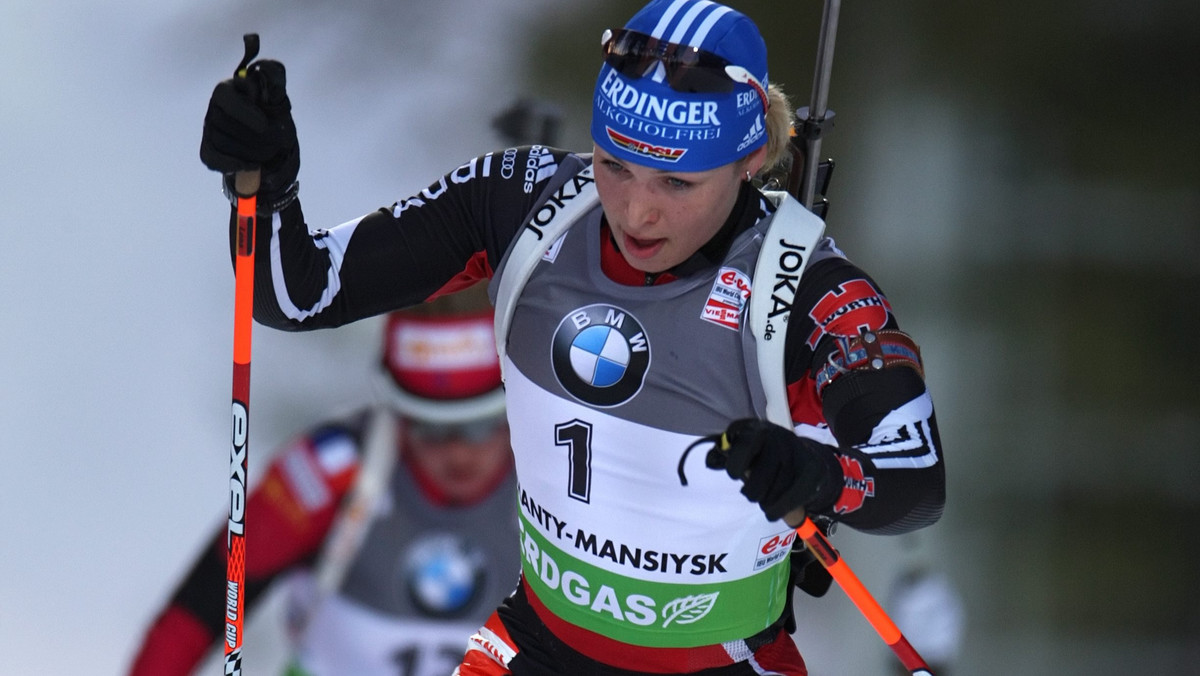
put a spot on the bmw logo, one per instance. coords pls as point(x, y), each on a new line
point(444, 574)
point(600, 355)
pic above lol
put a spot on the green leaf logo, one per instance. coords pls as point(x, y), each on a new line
point(689, 609)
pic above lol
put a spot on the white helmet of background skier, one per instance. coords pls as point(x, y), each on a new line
point(439, 363)
point(441, 377)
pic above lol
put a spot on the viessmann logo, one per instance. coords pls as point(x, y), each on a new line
point(729, 295)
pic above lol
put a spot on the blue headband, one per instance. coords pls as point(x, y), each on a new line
point(642, 120)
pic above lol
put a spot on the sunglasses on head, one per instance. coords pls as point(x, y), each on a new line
point(690, 70)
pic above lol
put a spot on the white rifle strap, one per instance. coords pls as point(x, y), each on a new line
point(379, 453)
point(530, 246)
point(787, 248)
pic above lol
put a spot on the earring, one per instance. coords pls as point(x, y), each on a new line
point(748, 176)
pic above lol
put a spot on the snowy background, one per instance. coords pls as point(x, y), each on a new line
point(1021, 178)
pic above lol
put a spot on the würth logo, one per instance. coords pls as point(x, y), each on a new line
point(856, 305)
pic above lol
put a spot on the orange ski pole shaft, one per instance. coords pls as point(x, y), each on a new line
point(820, 547)
point(829, 558)
point(246, 187)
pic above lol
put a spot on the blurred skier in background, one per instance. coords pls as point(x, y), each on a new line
point(393, 529)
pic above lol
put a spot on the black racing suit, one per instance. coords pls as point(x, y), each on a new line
point(458, 230)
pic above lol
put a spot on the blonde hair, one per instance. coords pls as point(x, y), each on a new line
point(779, 128)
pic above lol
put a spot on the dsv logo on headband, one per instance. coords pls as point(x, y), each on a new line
point(600, 355)
point(633, 145)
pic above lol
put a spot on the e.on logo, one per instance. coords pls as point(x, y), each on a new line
point(773, 548)
point(776, 542)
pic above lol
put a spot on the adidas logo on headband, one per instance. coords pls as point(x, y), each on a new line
point(755, 133)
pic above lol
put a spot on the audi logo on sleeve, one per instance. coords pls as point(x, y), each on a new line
point(600, 355)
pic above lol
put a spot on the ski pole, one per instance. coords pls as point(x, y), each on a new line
point(821, 548)
point(839, 570)
point(246, 187)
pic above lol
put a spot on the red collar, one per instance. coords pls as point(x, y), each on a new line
point(619, 270)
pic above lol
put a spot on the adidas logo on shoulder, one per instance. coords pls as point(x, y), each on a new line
point(756, 132)
point(539, 167)
point(546, 166)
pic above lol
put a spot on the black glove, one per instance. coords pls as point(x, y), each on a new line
point(779, 470)
point(249, 126)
